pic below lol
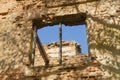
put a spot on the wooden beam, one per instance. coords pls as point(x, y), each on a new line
point(60, 38)
point(69, 3)
point(42, 51)
point(32, 47)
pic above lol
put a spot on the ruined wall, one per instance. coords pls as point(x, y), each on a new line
point(104, 37)
point(103, 26)
point(69, 48)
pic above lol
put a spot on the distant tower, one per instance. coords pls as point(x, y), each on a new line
point(69, 48)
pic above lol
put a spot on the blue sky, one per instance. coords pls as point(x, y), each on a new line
point(75, 33)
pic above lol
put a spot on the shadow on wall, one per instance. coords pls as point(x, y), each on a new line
point(108, 42)
point(15, 46)
point(111, 48)
point(103, 22)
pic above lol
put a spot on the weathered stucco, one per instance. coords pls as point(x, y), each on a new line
point(102, 18)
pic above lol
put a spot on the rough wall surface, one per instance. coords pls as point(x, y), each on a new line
point(103, 26)
point(104, 37)
point(14, 36)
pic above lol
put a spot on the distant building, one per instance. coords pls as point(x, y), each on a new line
point(69, 48)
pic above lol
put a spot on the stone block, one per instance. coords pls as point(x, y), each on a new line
point(3, 10)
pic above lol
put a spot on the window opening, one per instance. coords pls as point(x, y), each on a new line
point(50, 34)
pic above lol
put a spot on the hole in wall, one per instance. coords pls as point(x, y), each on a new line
point(77, 33)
